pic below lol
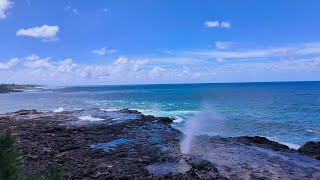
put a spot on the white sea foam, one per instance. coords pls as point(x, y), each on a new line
point(162, 113)
point(178, 120)
point(90, 118)
point(313, 131)
point(52, 87)
point(60, 109)
point(290, 145)
point(110, 109)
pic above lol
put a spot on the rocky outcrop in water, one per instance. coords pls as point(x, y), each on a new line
point(311, 148)
point(125, 144)
point(263, 142)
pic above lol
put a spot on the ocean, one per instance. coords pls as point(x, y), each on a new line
point(286, 112)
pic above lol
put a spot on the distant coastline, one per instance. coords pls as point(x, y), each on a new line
point(7, 88)
point(193, 83)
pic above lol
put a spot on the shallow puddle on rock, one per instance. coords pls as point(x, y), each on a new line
point(169, 167)
point(110, 145)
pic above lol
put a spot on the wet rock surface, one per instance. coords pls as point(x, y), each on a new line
point(125, 144)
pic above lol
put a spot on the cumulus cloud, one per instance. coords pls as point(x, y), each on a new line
point(45, 32)
point(120, 69)
point(9, 64)
point(35, 62)
point(156, 71)
point(121, 60)
point(138, 64)
point(4, 6)
point(300, 61)
point(67, 66)
point(104, 51)
point(95, 72)
point(217, 24)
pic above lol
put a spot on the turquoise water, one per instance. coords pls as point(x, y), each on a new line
point(287, 112)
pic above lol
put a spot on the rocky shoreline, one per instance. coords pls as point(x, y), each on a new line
point(125, 144)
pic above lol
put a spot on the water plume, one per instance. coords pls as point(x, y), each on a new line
point(202, 123)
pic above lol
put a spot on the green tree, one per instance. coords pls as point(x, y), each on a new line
point(10, 165)
point(55, 173)
point(9, 158)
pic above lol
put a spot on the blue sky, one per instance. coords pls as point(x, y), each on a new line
point(75, 42)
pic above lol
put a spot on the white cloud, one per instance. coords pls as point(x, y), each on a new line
point(4, 6)
point(217, 24)
point(282, 66)
point(203, 74)
point(212, 24)
point(35, 62)
point(220, 60)
point(44, 32)
point(67, 65)
point(9, 64)
point(288, 52)
point(242, 54)
point(32, 57)
point(121, 60)
point(156, 71)
point(121, 69)
point(105, 10)
point(104, 51)
point(95, 72)
point(222, 45)
point(137, 64)
point(72, 10)
point(225, 24)
point(298, 62)
point(101, 51)
point(185, 70)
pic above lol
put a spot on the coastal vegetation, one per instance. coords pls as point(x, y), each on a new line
point(10, 162)
point(6, 88)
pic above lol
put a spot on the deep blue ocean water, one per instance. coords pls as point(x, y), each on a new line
point(287, 112)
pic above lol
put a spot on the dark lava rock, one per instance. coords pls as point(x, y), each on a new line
point(129, 111)
point(263, 142)
point(25, 112)
point(311, 148)
point(125, 144)
point(119, 145)
point(165, 120)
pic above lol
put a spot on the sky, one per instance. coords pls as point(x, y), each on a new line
point(98, 42)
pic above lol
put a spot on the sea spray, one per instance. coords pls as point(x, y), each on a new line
point(186, 143)
point(191, 128)
point(201, 123)
point(60, 109)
